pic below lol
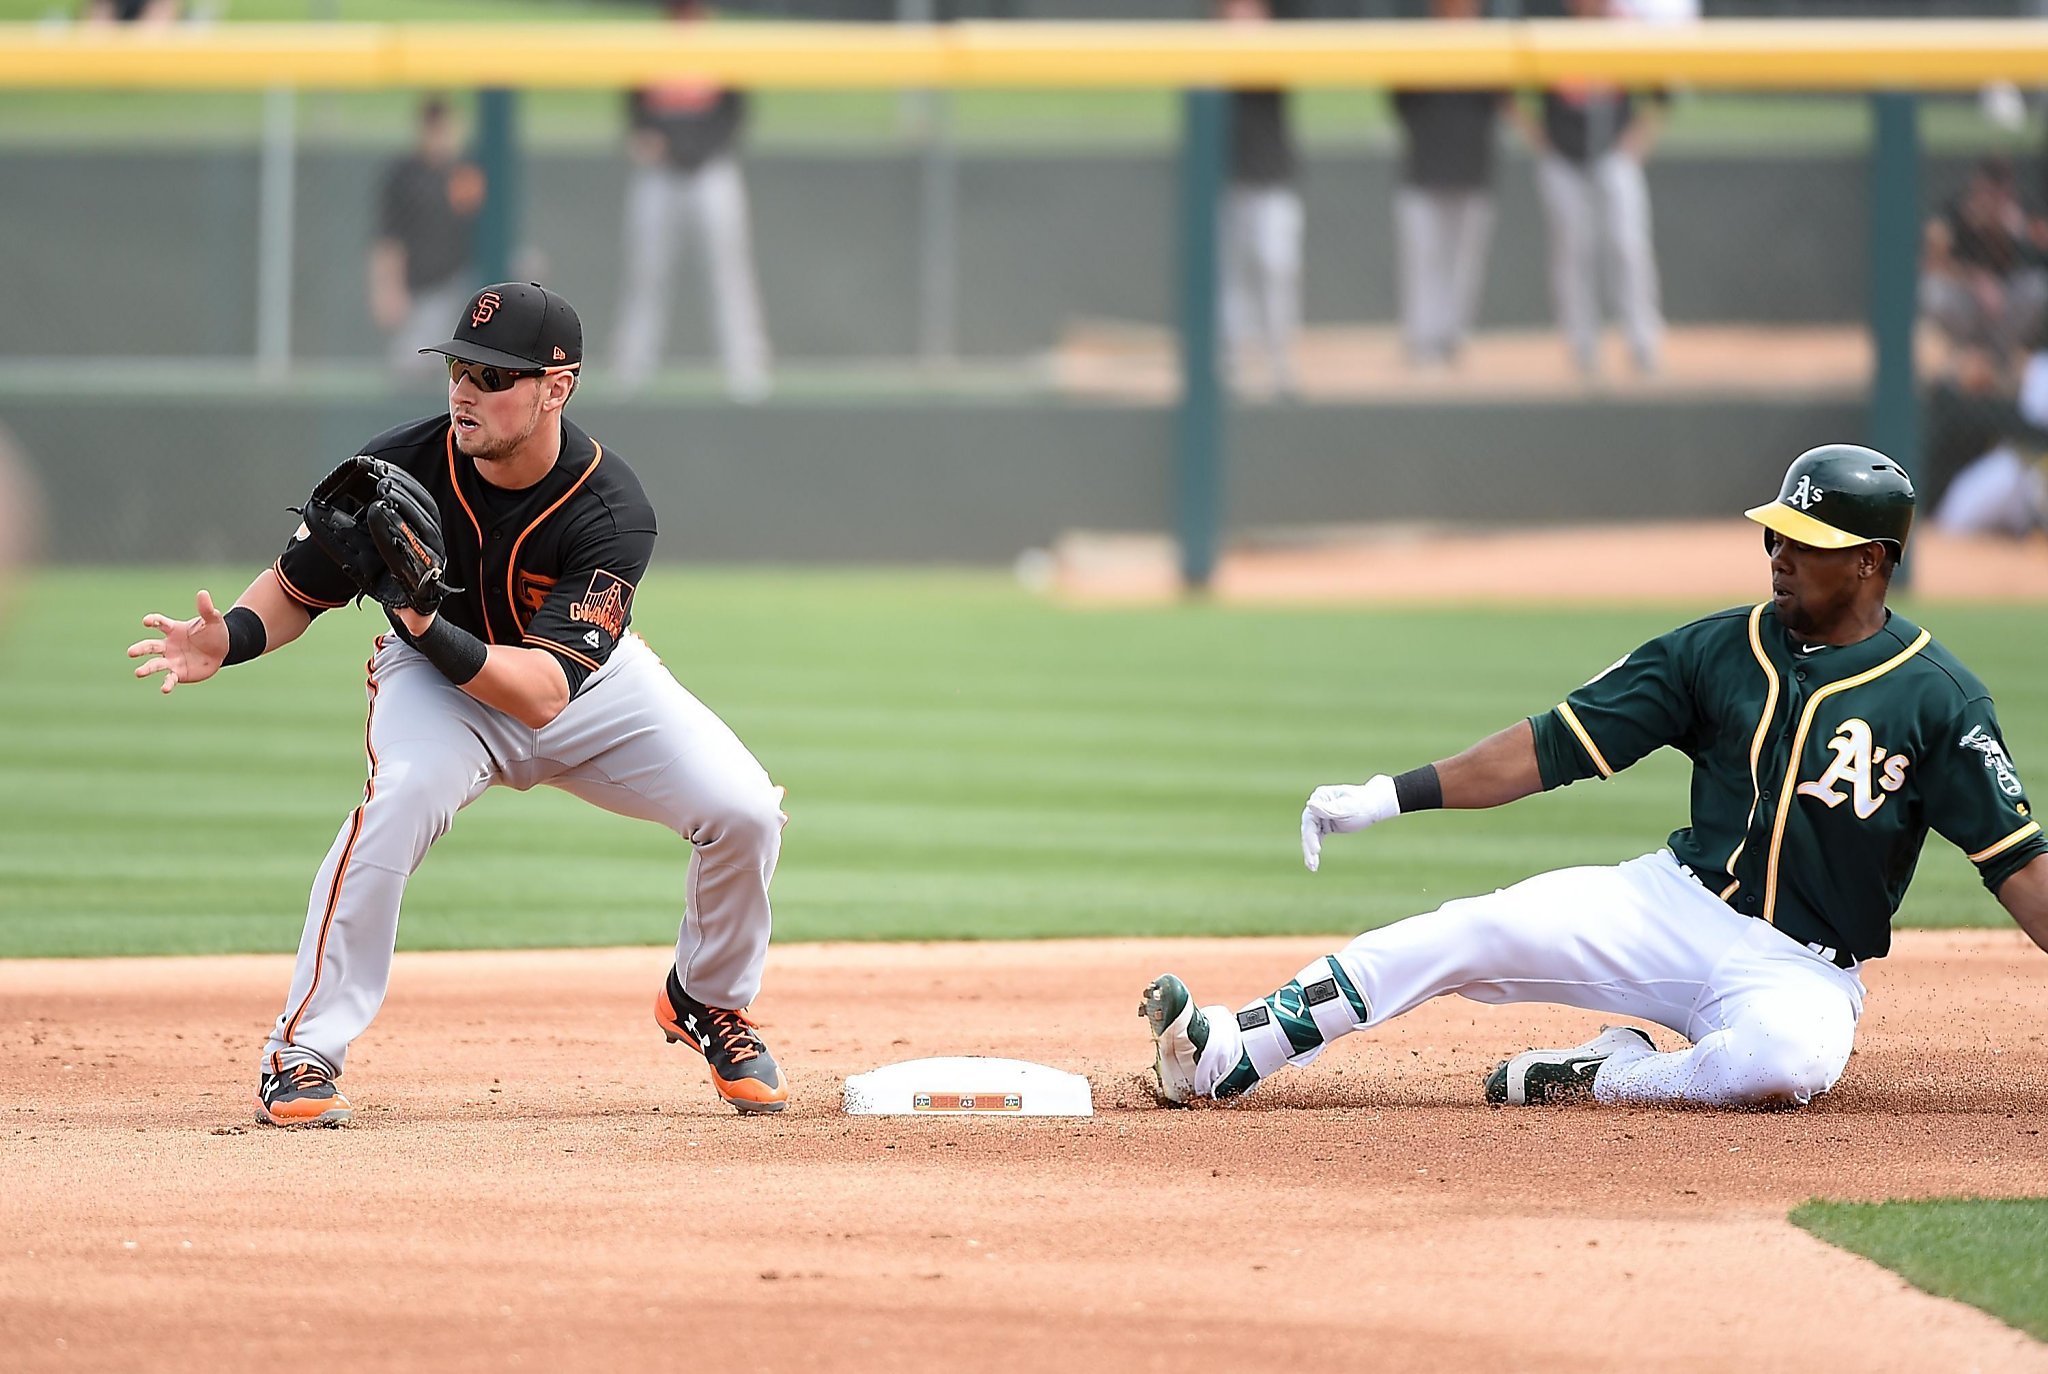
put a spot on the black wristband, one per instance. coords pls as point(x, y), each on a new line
point(455, 651)
point(246, 636)
point(1419, 789)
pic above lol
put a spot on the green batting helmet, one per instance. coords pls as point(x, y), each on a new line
point(1838, 496)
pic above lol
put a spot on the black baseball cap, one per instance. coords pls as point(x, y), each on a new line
point(517, 324)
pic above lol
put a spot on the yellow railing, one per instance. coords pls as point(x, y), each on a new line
point(1798, 55)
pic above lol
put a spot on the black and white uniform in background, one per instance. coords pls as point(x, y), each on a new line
point(1443, 216)
point(694, 190)
point(1598, 205)
point(1261, 250)
point(430, 209)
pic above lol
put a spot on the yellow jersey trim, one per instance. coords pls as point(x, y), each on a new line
point(1787, 794)
point(1756, 741)
point(2030, 828)
point(1592, 750)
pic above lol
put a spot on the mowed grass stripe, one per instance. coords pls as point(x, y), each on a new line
point(963, 760)
point(1989, 1252)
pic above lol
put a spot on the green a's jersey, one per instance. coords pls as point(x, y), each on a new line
point(1817, 772)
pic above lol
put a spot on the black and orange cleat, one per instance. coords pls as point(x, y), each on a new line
point(301, 1095)
point(741, 1068)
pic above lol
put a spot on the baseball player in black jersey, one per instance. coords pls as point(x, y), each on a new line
point(1827, 735)
point(527, 674)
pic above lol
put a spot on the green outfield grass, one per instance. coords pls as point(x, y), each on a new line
point(963, 760)
point(1991, 1254)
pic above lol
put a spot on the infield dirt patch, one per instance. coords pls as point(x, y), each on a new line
point(534, 1180)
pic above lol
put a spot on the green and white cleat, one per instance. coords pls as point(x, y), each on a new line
point(1180, 1031)
point(1538, 1077)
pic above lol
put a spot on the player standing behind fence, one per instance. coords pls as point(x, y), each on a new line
point(421, 261)
point(1443, 209)
point(686, 178)
point(1827, 735)
point(1262, 224)
point(528, 677)
point(1590, 148)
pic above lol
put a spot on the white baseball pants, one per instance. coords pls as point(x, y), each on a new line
point(1599, 215)
point(1443, 238)
point(661, 204)
point(1261, 266)
point(633, 741)
point(1771, 1022)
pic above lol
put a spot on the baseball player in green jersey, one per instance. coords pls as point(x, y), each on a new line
point(1827, 736)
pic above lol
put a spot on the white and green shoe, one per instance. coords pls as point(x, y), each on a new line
point(1536, 1077)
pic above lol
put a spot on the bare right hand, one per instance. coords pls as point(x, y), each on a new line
point(189, 651)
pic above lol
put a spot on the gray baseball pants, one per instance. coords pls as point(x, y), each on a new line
point(633, 741)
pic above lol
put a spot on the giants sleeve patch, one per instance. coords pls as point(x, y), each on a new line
point(604, 604)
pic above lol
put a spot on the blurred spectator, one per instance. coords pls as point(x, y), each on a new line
point(1262, 223)
point(132, 11)
point(682, 135)
point(2005, 491)
point(1982, 278)
point(1443, 208)
point(420, 263)
point(1591, 145)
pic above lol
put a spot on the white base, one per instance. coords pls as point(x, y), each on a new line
point(968, 1085)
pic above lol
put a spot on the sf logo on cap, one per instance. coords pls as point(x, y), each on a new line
point(486, 306)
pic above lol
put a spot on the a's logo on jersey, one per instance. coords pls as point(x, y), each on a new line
point(1995, 758)
point(1856, 760)
point(486, 306)
point(1806, 495)
point(604, 605)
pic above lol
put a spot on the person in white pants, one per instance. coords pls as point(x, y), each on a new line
point(1262, 227)
point(1827, 736)
point(686, 182)
point(1590, 146)
point(1443, 209)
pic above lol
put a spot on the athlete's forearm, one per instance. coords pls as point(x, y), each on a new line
point(2025, 896)
point(526, 684)
point(284, 619)
point(1499, 769)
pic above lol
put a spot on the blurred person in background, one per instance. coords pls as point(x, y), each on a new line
point(2004, 490)
point(1590, 146)
point(1443, 208)
point(421, 262)
point(1982, 275)
point(132, 11)
point(1262, 223)
point(682, 136)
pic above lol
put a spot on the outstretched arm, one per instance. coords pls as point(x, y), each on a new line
point(2025, 895)
point(193, 650)
point(1499, 769)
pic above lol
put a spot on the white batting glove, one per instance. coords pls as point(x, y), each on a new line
point(1340, 809)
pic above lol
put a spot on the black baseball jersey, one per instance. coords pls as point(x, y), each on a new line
point(551, 567)
point(1817, 770)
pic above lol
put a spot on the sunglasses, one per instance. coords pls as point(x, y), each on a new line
point(489, 378)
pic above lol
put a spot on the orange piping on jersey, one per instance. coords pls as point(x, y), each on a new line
point(1756, 743)
point(455, 482)
point(1592, 750)
point(2030, 828)
point(1786, 793)
point(311, 602)
point(566, 651)
point(512, 566)
point(355, 830)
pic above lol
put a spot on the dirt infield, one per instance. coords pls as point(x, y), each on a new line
point(535, 1180)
